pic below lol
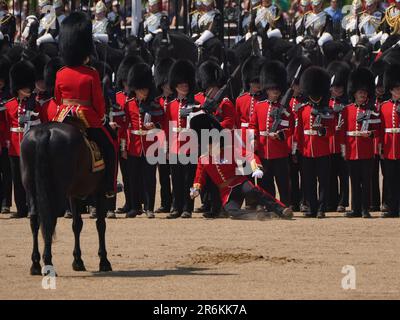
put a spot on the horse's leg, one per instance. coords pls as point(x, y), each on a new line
point(77, 223)
point(36, 269)
point(48, 232)
point(101, 207)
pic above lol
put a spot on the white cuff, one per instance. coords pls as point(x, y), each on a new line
point(374, 39)
point(47, 38)
point(354, 40)
point(206, 35)
point(326, 37)
point(276, 33)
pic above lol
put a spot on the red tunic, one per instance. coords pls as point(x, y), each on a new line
point(176, 127)
point(118, 115)
point(390, 130)
point(357, 147)
point(138, 143)
point(311, 144)
point(81, 83)
point(225, 112)
point(335, 140)
point(223, 172)
point(15, 132)
point(262, 121)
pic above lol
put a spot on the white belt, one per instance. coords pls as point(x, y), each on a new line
point(139, 132)
point(179, 129)
point(392, 130)
point(266, 133)
point(244, 125)
point(118, 113)
point(311, 132)
point(17, 129)
point(355, 133)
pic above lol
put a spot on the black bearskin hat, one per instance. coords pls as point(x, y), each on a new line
point(182, 71)
point(50, 71)
point(335, 50)
point(76, 41)
point(22, 75)
point(5, 65)
point(315, 82)
point(40, 61)
point(161, 71)
point(293, 65)
point(123, 69)
point(339, 72)
point(140, 77)
point(391, 78)
point(210, 74)
point(273, 75)
point(251, 70)
point(361, 79)
point(378, 69)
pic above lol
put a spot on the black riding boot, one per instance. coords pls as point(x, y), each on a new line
point(106, 145)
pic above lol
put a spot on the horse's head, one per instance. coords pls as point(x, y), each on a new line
point(362, 53)
point(30, 31)
point(309, 47)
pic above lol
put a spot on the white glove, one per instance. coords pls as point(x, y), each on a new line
point(257, 174)
point(374, 39)
point(45, 39)
point(354, 40)
point(1, 36)
point(248, 36)
point(326, 37)
point(194, 193)
point(238, 38)
point(147, 38)
point(276, 33)
point(384, 37)
point(299, 39)
point(198, 42)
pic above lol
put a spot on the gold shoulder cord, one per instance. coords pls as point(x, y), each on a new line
point(5, 20)
point(393, 22)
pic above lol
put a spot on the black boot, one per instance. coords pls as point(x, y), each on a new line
point(353, 214)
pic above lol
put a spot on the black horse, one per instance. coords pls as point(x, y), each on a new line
point(56, 163)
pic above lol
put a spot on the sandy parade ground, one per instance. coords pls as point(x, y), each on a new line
point(212, 259)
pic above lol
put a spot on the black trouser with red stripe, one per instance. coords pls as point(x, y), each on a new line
point(392, 177)
point(164, 174)
point(182, 180)
point(339, 182)
point(19, 190)
point(316, 173)
point(249, 191)
point(375, 189)
point(295, 172)
point(142, 181)
point(276, 170)
point(360, 176)
point(5, 179)
point(123, 165)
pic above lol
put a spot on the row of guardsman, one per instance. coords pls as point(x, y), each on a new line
point(320, 112)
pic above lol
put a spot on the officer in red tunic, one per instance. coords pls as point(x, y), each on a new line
point(161, 72)
point(360, 126)
point(182, 82)
point(78, 90)
point(222, 166)
point(22, 112)
point(273, 124)
point(118, 116)
point(247, 100)
point(296, 182)
point(378, 68)
point(142, 117)
point(339, 178)
point(315, 126)
point(390, 139)
point(5, 170)
point(210, 79)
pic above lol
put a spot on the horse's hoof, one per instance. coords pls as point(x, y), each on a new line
point(105, 267)
point(36, 269)
point(78, 265)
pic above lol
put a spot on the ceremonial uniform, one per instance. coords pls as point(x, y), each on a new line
point(7, 24)
point(268, 18)
point(339, 179)
point(314, 128)
point(358, 150)
point(390, 140)
point(49, 27)
point(391, 22)
point(272, 125)
point(101, 26)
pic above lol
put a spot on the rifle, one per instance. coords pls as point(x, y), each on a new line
point(284, 103)
point(211, 104)
point(365, 116)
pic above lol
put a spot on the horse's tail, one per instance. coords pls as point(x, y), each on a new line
point(43, 185)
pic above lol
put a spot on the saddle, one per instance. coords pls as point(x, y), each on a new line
point(95, 153)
